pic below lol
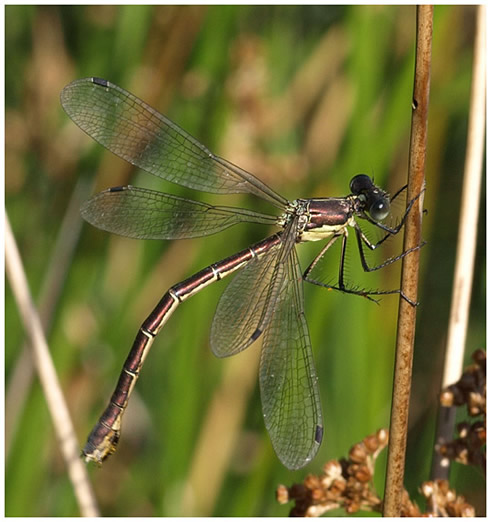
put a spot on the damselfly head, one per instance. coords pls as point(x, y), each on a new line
point(379, 208)
point(375, 201)
point(361, 184)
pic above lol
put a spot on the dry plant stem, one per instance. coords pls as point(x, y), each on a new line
point(410, 266)
point(22, 374)
point(47, 375)
point(466, 243)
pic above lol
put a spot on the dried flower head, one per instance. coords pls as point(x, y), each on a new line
point(348, 484)
point(345, 483)
point(441, 501)
point(470, 390)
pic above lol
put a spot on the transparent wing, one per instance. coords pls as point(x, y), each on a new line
point(287, 377)
point(248, 302)
point(244, 306)
point(134, 131)
point(147, 214)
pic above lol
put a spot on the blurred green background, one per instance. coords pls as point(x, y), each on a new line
point(304, 97)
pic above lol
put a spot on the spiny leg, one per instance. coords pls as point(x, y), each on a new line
point(341, 286)
point(319, 256)
point(361, 238)
point(392, 231)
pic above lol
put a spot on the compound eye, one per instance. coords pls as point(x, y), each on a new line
point(360, 183)
point(379, 209)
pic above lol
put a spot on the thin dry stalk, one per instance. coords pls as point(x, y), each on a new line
point(47, 375)
point(20, 382)
point(466, 243)
point(410, 267)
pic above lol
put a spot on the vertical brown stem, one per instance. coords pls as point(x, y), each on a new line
point(410, 266)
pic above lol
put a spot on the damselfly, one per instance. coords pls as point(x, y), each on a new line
point(265, 299)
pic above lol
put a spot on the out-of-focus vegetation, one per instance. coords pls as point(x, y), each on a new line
point(304, 97)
